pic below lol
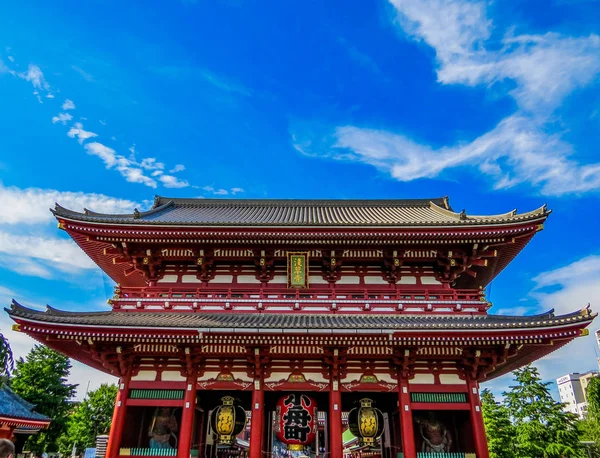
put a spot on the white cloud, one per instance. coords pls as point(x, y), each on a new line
point(128, 169)
point(577, 285)
point(177, 168)
point(588, 267)
point(236, 190)
point(31, 205)
point(546, 68)
point(574, 286)
point(81, 134)
point(150, 163)
point(524, 147)
point(21, 344)
point(29, 242)
point(35, 76)
point(170, 181)
point(63, 118)
point(62, 254)
point(517, 150)
point(68, 105)
point(11, 58)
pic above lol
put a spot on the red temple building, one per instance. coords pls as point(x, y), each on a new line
point(300, 328)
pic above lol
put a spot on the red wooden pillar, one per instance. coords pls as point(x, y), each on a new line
point(118, 419)
point(257, 420)
point(187, 417)
point(336, 447)
point(481, 448)
point(406, 420)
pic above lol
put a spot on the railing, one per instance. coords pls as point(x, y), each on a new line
point(439, 397)
point(341, 292)
point(445, 455)
point(315, 299)
point(144, 451)
point(156, 394)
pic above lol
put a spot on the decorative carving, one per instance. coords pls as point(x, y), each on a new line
point(332, 266)
point(264, 262)
point(205, 264)
point(392, 265)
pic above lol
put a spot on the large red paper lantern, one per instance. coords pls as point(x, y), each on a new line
point(296, 420)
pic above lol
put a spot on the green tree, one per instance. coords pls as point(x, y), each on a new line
point(543, 429)
point(589, 429)
point(498, 427)
point(42, 380)
point(6, 359)
point(90, 418)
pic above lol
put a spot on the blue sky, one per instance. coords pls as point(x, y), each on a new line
point(495, 104)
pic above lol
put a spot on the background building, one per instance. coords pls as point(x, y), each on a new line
point(572, 389)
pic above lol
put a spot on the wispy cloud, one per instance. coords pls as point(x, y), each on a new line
point(30, 206)
point(545, 68)
point(35, 76)
point(218, 81)
point(516, 151)
point(170, 181)
point(21, 344)
point(221, 191)
point(574, 286)
point(68, 105)
point(525, 147)
point(85, 75)
point(129, 169)
point(359, 57)
point(78, 132)
point(63, 118)
point(29, 242)
point(132, 170)
point(587, 268)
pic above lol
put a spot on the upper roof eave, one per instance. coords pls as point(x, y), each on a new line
point(275, 214)
point(391, 323)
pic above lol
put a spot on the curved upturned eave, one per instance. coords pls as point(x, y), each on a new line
point(566, 328)
point(235, 215)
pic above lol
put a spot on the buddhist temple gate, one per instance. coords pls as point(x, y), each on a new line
point(300, 328)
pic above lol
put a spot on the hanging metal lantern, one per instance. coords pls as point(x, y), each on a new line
point(366, 422)
point(227, 421)
point(296, 420)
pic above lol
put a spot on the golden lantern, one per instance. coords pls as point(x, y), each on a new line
point(227, 421)
point(366, 422)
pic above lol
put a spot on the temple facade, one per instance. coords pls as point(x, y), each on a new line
point(300, 328)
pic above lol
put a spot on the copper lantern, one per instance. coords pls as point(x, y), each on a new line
point(366, 422)
point(227, 421)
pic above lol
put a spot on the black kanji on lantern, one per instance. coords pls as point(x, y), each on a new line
point(297, 418)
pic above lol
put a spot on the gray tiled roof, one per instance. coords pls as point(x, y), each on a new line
point(122, 319)
point(13, 406)
point(264, 212)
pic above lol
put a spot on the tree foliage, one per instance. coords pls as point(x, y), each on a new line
point(90, 418)
point(498, 428)
point(589, 429)
point(543, 429)
point(41, 378)
point(6, 358)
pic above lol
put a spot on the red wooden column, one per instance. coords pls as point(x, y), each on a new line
point(336, 447)
point(187, 417)
point(118, 419)
point(257, 420)
point(481, 448)
point(406, 420)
